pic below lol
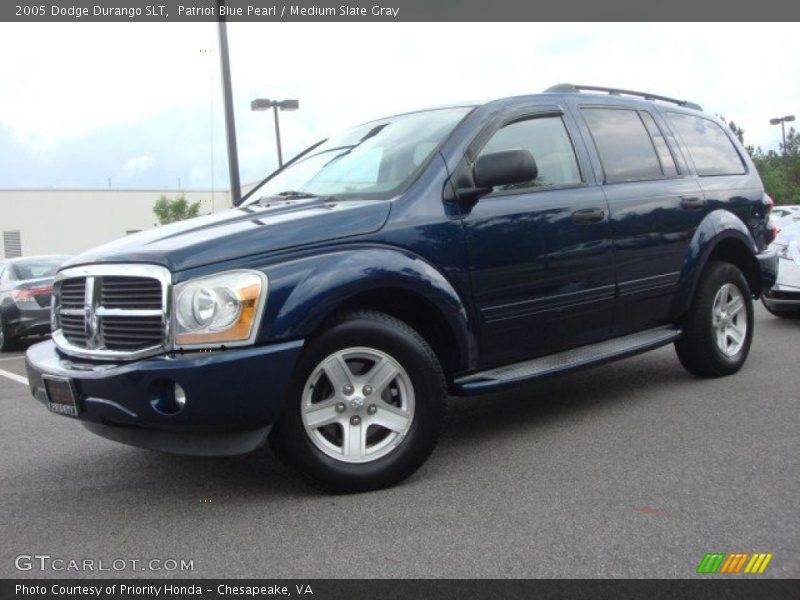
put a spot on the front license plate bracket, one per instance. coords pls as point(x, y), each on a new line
point(62, 397)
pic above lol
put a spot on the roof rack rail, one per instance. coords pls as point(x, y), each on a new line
point(570, 88)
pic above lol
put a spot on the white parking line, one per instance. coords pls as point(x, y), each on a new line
point(12, 358)
point(14, 377)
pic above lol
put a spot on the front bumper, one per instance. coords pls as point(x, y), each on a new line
point(786, 291)
point(768, 265)
point(232, 396)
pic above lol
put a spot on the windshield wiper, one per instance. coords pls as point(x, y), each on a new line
point(288, 195)
point(295, 194)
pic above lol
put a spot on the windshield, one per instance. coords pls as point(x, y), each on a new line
point(35, 268)
point(374, 160)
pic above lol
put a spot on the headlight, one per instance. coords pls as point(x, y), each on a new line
point(220, 309)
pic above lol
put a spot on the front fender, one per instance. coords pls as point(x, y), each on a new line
point(305, 291)
point(717, 226)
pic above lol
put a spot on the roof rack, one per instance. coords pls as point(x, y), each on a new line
point(571, 88)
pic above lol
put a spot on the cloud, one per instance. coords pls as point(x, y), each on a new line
point(70, 79)
point(98, 87)
point(137, 165)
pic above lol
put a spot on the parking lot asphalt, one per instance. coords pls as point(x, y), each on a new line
point(633, 469)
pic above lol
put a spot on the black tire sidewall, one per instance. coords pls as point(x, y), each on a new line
point(291, 442)
point(718, 275)
point(5, 340)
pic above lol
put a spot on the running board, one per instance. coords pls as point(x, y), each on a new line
point(563, 362)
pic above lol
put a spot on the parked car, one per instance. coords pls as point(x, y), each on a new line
point(26, 285)
point(783, 300)
point(783, 216)
point(462, 249)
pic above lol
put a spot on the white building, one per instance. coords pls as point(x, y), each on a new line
point(59, 221)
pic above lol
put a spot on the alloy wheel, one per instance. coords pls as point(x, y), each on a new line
point(358, 405)
point(729, 320)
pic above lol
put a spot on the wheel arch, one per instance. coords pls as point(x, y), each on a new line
point(308, 293)
point(720, 236)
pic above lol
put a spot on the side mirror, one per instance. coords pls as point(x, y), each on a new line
point(504, 168)
point(500, 168)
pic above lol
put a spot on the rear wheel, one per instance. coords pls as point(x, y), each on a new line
point(365, 407)
point(718, 329)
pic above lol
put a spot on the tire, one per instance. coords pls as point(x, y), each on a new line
point(7, 343)
point(708, 346)
point(318, 434)
point(782, 313)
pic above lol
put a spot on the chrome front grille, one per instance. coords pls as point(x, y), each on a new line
point(131, 292)
point(131, 333)
point(73, 328)
point(113, 311)
point(72, 292)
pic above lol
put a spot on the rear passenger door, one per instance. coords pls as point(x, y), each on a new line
point(721, 169)
point(655, 202)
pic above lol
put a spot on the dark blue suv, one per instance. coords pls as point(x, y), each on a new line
point(454, 250)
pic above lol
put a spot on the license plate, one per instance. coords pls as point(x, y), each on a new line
point(61, 397)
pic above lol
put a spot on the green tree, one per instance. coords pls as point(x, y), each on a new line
point(737, 131)
point(178, 209)
point(780, 172)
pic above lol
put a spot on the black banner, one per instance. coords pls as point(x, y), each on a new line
point(394, 589)
point(395, 10)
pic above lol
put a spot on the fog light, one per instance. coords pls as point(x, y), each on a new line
point(167, 397)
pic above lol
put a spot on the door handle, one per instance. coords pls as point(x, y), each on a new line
point(587, 216)
point(692, 202)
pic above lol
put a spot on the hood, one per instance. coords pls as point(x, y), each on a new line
point(788, 234)
point(243, 231)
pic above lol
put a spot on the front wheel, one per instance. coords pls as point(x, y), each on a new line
point(718, 329)
point(365, 407)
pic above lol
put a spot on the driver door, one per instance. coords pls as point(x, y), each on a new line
point(540, 253)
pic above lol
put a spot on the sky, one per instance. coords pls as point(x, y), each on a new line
point(139, 105)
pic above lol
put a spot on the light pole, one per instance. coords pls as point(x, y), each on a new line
point(230, 120)
point(782, 121)
point(266, 104)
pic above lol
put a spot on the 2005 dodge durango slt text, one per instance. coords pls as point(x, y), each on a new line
point(454, 250)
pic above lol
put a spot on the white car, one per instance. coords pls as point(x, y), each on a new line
point(783, 300)
point(783, 216)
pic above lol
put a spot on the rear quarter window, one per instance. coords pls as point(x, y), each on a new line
point(709, 147)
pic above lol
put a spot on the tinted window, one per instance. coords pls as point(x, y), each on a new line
point(625, 148)
point(711, 149)
point(547, 140)
point(662, 149)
